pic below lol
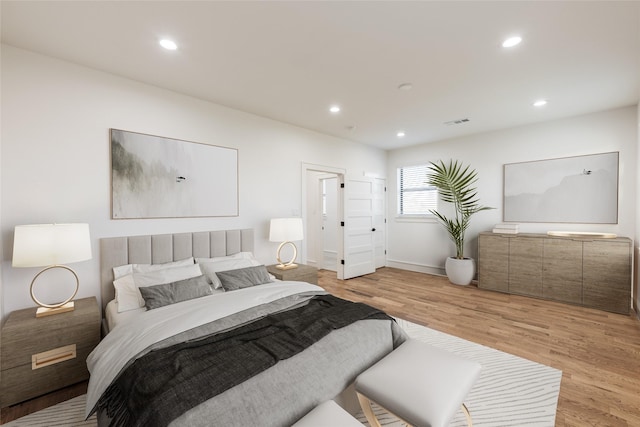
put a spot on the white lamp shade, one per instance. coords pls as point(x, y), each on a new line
point(285, 230)
point(40, 245)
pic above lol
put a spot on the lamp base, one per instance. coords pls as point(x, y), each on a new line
point(44, 311)
point(62, 307)
point(286, 266)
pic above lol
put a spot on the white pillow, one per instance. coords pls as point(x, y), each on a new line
point(210, 266)
point(128, 295)
point(238, 255)
point(124, 270)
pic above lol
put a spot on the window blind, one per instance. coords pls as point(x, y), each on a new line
point(416, 197)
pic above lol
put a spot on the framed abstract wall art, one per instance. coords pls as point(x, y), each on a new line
point(158, 177)
point(580, 189)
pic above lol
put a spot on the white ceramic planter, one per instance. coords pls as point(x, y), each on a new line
point(460, 271)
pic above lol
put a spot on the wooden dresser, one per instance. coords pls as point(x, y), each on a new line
point(303, 273)
point(586, 271)
point(40, 355)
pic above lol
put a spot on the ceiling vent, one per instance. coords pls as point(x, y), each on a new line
point(456, 122)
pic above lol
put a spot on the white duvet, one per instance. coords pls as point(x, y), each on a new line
point(130, 338)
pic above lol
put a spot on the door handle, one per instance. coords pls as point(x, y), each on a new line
point(373, 229)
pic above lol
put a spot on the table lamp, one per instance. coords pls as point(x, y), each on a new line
point(286, 230)
point(51, 246)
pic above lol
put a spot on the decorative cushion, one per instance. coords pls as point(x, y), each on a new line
point(243, 277)
point(127, 292)
point(170, 293)
point(211, 266)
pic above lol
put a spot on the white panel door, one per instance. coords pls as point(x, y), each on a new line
point(359, 252)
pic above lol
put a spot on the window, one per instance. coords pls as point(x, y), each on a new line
point(415, 197)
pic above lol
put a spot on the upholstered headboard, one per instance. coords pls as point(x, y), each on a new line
point(160, 248)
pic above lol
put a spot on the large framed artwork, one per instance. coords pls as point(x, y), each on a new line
point(580, 189)
point(157, 177)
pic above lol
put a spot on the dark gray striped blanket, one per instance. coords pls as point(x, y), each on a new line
point(168, 382)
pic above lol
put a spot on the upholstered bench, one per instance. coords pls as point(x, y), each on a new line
point(328, 414)
point(422, 385)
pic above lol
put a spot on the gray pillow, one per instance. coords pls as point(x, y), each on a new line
point(171, 293)
point(243, 277)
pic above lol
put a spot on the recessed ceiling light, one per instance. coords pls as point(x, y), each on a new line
point(168, 44)
point(540, 103)
point(400, 134)
point(334, 109)
point(512, 41)
point(405, 86)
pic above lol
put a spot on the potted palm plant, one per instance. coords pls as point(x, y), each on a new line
point(454, 182)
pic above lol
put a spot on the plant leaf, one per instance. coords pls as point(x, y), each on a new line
point(454, 183)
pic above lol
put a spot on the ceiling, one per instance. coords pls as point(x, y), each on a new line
point(290, 61)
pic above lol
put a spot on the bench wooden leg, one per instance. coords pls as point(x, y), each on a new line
point(467, 414)
point(365, 404)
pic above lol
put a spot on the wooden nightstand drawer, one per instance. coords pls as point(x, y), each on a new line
point(23, 383)
point(18, 348)
point(46, 343)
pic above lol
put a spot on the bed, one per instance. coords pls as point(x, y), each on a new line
point(245, 350)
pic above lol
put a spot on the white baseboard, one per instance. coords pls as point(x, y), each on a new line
point(419, 268)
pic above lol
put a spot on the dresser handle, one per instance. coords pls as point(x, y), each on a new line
point(54, 356)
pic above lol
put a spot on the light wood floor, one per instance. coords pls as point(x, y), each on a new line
point(598, 352)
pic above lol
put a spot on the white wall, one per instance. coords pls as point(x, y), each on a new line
point(424, 246)
point(637, 234)
point(1, 239)
point(55, 158)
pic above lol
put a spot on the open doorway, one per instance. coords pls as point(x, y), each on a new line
point(328, 243)
point(321, 214)
point(345, 227)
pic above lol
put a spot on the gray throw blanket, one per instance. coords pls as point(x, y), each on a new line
point(161, 385)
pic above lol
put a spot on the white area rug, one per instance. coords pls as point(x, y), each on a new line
point(65, 414)
point(511, 391)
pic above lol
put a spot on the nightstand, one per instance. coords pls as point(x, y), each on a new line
point(40, 355)
point(303, 273)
